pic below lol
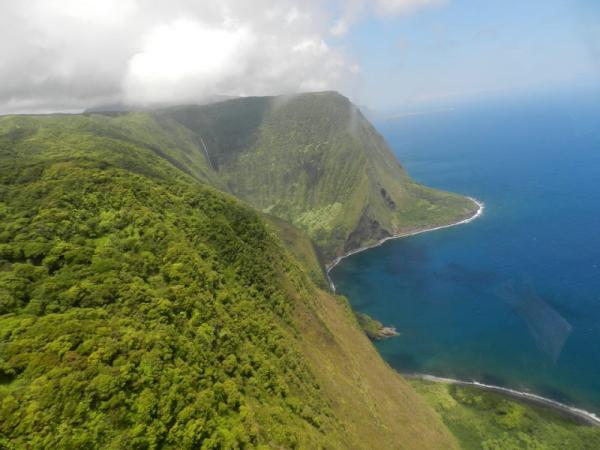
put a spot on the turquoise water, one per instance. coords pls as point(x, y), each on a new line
point(513, 298)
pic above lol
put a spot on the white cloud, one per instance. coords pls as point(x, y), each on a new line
point(70, 54)
point(395, 7)
point(187, 60)
point(353, 10)
point(107, 12)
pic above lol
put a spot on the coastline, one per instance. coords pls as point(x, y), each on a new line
point(572, 411)
point(336, 261)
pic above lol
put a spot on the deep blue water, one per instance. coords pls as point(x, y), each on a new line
point(512, 298)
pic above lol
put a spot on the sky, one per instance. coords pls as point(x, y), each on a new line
point(474, 48)
point(68, 55)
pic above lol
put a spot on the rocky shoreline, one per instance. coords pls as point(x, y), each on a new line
point(387, 332)
point(336, 261)
point(374, 329)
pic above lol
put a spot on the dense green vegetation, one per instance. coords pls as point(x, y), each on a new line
point(141, 308)
point(109, 283)
point(302, 248)
point(315, 161)
point(487, 420)
point(312, 160)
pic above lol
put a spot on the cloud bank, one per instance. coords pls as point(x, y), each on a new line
point(62, 55)
point(353, 10)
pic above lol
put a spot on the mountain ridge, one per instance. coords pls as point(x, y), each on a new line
point(315, 161)
point(142, 307)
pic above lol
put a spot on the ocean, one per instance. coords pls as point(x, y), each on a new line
point(513, 298)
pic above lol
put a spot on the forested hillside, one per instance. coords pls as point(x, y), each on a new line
point(142, 308)
point(315, 161)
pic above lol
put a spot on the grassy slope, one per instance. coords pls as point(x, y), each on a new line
point(363, 388)
point(315, 161)
point(143, 309)
point(302, 248)
point(486, 420)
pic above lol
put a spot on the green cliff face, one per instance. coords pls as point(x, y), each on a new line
point(140, 307)
point(315, 161)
